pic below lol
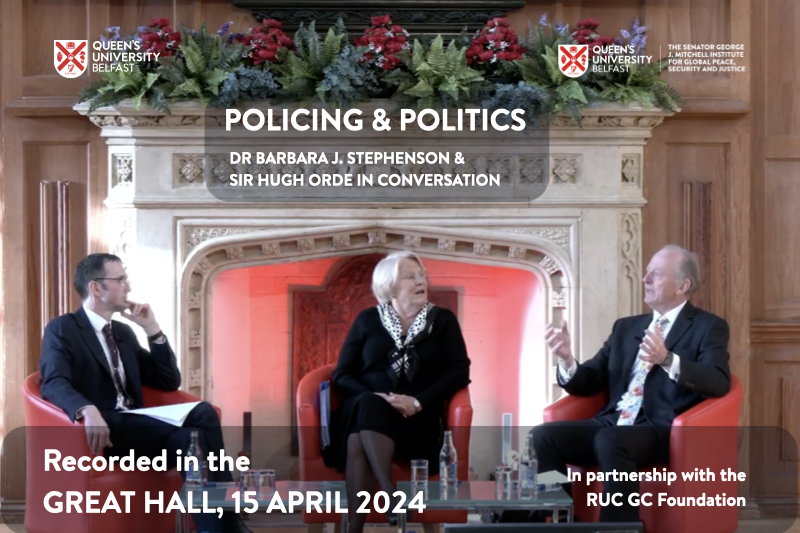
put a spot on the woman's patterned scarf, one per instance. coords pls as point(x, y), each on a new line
point(403, 358)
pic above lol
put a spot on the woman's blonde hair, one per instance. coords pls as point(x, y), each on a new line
point(386, 271)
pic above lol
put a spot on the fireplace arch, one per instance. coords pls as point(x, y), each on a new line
point(547, 260)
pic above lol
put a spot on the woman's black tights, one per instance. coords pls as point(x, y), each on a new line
point(369, 460)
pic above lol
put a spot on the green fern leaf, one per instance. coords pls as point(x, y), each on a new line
point(90, 91)
point(551, 61)
point(436, 57)
point(213, 80)
point(417, 55)
point(137, 99)
point(158, 100)
point(152, 77)
point(194, 57)
point(331, 47)
point(421, 90)
point(188, 88)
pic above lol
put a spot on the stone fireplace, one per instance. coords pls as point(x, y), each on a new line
point(577, 249)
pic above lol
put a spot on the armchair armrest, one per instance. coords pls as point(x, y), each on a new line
point(459, 421)
point(575, 407)
point(308, 412)
point(706, 435)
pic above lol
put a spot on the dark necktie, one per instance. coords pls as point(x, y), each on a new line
point(114, 349)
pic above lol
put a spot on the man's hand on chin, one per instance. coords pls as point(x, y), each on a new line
point(143, 316)
point(98, 435)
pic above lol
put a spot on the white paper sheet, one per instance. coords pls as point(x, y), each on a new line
point(174, 414)
point(553, 476)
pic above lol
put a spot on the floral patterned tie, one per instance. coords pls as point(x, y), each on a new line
point(631, 401)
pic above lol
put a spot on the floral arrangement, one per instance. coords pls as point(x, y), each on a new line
point(267, 43)
point(160, 37)
point(494, 68)
point(495, 43)
point(384, 41)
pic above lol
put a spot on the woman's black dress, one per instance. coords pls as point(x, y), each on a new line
point(442, 369)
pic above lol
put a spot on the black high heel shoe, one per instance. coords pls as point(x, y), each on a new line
point(393, 517)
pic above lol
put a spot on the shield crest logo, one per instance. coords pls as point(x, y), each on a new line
point(70, 57)
point(573, 59)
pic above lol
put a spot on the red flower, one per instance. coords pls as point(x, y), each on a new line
point(263, 44)
point(589, 23)
point(160, 38)
point(380, 20)
point(495, 42)
point(384, 40)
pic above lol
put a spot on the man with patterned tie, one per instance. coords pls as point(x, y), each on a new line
point(653, 367)
point(93, 368)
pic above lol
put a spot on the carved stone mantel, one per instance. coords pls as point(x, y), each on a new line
point(582, 237)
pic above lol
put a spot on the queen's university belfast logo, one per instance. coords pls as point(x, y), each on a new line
point(70, 57)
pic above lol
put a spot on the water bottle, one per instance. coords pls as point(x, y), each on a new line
point(529, 468)
point(448, 461)
point(194, 469)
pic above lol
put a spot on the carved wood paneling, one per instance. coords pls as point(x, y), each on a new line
point(781, 241)
point(56, 218)
point(782, 111)
point(37, 150)
point(775, 333)
point(696, 205)
point(697, 186)
point(790, 421)
point(774, 442)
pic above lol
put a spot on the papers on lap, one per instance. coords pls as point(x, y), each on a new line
point(171, 414)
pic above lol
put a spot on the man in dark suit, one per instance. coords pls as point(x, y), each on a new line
point(653, 367)
point(93, 368)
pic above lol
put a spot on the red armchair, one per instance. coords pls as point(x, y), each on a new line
point(705, 436)
point(47, 426)
point(312, 467)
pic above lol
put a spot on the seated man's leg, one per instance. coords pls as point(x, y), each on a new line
point(627, 449)
point(204, 420)
point(559, 444)
point(150, 437)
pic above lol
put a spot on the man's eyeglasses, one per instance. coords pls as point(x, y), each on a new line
point(122, 280)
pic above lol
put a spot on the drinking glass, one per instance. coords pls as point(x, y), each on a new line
point(249, 480)
point(265, 479)
point(506, 480)
point(419, 471)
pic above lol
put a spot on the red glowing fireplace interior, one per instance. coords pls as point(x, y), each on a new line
point(271, 324)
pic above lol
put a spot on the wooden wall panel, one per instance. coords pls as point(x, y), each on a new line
point(782, 97)
point(775, 442)
point(687, 184)
point(781, 238)
point(703, 22)
point(65, 161)
point(56, 20)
